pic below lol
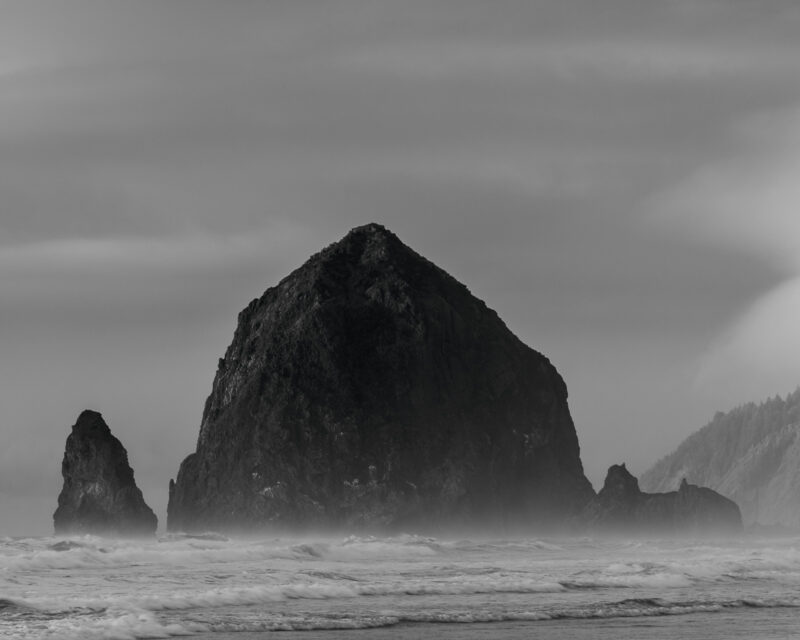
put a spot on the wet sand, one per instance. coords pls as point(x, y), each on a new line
point(763, 624)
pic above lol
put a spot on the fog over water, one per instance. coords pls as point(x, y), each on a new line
point(616, 180)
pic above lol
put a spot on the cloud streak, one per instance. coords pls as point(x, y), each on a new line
point(120, 253)
point(750, 203)
point(760, 352)
point(635, 60)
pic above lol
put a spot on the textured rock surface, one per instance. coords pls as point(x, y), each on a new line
point(751, 454)
point(621, 506)
point(371, 389)
point(99, 495)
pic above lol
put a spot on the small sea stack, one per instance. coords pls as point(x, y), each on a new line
point(621, 507)
point(99, 495)
point(750, 454)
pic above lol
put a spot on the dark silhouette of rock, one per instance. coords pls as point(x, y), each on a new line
point(622, 507)
point(370, 389)
point(99, 495)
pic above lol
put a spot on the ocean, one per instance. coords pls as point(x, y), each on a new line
point(212, 587)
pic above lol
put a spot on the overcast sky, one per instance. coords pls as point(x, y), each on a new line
point(619, 180)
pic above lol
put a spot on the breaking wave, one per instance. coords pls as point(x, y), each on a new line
point(90, 551)
point(136, 624)
point(93, 588)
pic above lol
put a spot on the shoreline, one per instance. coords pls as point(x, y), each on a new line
point(765, 624)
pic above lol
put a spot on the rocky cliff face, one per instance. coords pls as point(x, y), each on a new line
point(371, 389)
point(621, 506)
point(751, 454)
point(99, 495)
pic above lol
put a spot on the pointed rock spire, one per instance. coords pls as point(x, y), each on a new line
point(99, 495)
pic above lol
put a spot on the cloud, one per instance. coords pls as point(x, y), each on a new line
point(620, 59)
point(153, 253)
point(116, 283)
point(749, 202)
point(760, 352)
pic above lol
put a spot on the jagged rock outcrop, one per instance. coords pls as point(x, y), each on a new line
point(621, 507)
point(751, 454)
point(370, 389)
point(99, 495)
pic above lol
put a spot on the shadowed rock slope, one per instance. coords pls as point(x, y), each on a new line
point(370, 389)
point(99, 495)
point(621, 507)
point(751, 454)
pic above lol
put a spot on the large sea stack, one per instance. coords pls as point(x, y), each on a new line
point(370, 389)
point(621, 507)
point(99, 495)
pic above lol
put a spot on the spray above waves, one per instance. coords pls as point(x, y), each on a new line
point(187, 551)
point(92, 551)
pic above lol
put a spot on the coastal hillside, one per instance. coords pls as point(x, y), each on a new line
point(750, 454)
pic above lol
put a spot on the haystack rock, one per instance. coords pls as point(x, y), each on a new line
point(622, 507)
point(370, 389)
point(99, 495)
